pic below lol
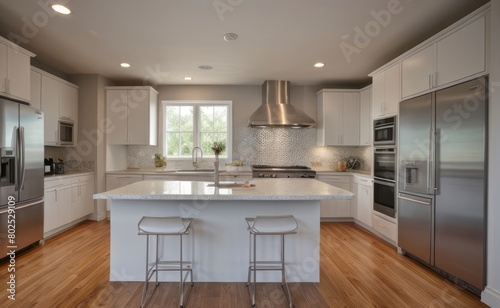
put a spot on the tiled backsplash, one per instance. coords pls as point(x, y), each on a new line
point(69, 165)
point(271, 146)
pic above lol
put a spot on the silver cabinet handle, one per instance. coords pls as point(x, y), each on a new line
point(413, 200)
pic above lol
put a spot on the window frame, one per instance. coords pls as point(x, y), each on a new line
point(196, 132)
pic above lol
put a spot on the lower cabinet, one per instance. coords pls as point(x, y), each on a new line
point(387, 228)
point(67, 200)
point(363, 189)
point(336, 208)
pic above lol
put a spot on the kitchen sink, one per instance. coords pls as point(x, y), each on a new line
point(230, 185)
point(199, 170)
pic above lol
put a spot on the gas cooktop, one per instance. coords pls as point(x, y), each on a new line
point(273, 171)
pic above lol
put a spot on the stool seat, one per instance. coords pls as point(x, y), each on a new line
point(270, 225)
point(172, 225)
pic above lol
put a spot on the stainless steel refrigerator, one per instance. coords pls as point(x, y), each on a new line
point(21, 175)
point(442, 180)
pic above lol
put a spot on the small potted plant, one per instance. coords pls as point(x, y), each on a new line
point(160, 161)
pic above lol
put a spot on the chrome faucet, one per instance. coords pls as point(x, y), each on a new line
point(195, 157)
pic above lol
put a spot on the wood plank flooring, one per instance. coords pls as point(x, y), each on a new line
point(357, 270)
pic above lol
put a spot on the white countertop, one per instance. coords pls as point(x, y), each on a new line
point(264, 189)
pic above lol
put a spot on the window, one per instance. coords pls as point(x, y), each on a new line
point(188, 124)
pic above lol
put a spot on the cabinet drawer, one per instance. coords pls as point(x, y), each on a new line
point(385, 227)
point(334, 178)
point(81, 179)
point(362, 180)
point(51, 183)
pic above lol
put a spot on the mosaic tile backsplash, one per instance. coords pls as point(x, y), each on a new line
point(69, 165)
point(270, 146)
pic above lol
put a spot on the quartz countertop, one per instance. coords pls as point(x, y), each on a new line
point(67, 174)
point(224, 170)
point(264, 189)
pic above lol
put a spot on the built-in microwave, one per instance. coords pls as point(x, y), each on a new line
point(384, 131)
point(66, 133)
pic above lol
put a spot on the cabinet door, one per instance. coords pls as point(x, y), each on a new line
point(365, 119)
point(138, 117)
point(36, 90)
point(332, 108)
point(364, 208)
point(50, 210)
point(3, 68)
point(418, 71)
point(75, 202)
point(117, 113)
point(350, 119)
point(378, 97)
point(66, 102)
point(64, 205)
point(392, 89)
point(50, 106)
point(462, 53)
point(18, 72)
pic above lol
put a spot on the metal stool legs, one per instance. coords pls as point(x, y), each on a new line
point(279, 265)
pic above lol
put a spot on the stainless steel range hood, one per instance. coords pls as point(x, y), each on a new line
point(276, 110)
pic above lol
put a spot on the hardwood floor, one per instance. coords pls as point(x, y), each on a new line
point(357, 270)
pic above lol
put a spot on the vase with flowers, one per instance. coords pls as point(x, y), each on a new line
point(218, 147)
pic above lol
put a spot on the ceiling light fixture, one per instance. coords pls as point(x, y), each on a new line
point(319, 64)
point(187, 78)
point(230, 37)
point(125, 64)
point(61, 9)
point(205, 67)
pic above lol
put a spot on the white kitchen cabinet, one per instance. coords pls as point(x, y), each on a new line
point(67, 201)
point(365, 119)
point(462, 53)
point(338, 116)
point(36, 89)
point(81, 196)
point(418, 71)
point(14, 70)
point(386, 91)
point(133, 115)
point(335, 208)
point(59, 101)
point(50, 106)
point(459, 54)
point(363, 189)
point(385, 227)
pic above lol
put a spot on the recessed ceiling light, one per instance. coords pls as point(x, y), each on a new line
point(187, 78)
point(125, 64)
point(319, 64)
point(61, 9)
point(205, 67)
point(230, 37)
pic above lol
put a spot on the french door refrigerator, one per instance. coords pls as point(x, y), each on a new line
point(21, 176)
point(442, 180)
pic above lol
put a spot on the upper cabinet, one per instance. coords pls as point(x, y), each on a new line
point(454, 56)
point(386, 91)
point(14, 70)
point(338, 117)
point(36, 90)
point(132, 112)
point(365, 119)
point(59, 101)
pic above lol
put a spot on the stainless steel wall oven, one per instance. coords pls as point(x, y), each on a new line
point(384, 184)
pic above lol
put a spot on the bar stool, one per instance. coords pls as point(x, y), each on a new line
point(269, 225)
point(162, 226)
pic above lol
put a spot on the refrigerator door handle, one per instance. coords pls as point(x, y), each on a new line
point(437, 149)
point(413, 200)
point(22, 166)
point(430, 160)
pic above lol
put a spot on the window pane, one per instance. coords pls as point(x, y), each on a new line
point(207, 139)
point(186, 118)
point(220, 119)
point(186, 143)
point(172, 118)
point(206, 118)
point(172, 144)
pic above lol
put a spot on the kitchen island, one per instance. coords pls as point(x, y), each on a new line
point(218, 244)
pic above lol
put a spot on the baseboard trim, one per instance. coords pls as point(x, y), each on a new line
point(490, 297)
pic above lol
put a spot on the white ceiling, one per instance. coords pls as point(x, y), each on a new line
point(166, 40)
